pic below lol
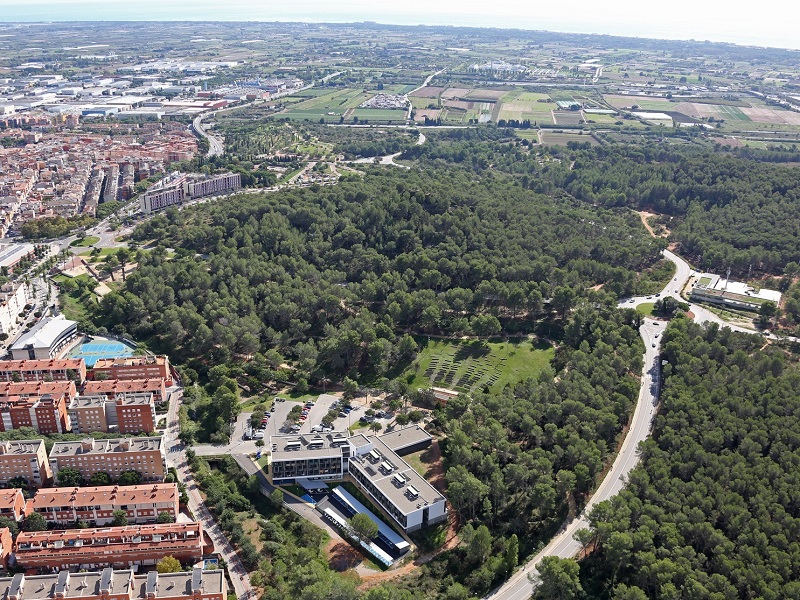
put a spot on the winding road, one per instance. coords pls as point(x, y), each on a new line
point(522, 583)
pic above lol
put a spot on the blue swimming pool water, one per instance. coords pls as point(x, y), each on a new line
point(92, 351)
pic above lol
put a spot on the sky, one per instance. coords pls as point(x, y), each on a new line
point(714, 20)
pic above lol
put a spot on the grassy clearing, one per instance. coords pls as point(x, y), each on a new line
point(87, 241)
point(646, 308)
point(384, 115)
point(556, 138)
point(474, 365)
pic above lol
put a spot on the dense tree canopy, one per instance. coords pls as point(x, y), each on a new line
point(713, 511)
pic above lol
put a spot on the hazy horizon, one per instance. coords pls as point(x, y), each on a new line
point(681, 20)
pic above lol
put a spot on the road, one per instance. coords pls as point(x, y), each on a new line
point(521, 585)
point(427, 81)
point(523, 582)
point(176, 457)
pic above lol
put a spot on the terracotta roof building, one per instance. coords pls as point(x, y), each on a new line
point(112, 387)
point(134, 367)
point(68, 369)
point(46, 414)
point(12, 504)
point(90, 456)
point(109, 546)
point(6, 546)
point(96, 505)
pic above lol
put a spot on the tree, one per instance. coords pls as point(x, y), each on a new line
point(511, 558)
point(34, 522)
point(559, 579)
point(11, 524)
point(165, 517)
point(375, 426)
point(69, 477)
point(130, 477)
point(350, 388)
point(18, 482)
point(168, 564)
point(100, 478)
point(363, 527)
point(583, 536)
point(119, 518)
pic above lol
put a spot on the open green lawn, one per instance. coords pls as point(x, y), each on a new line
point(380, 114)
point(89, 240)
point(469, 366)
point(645, 308)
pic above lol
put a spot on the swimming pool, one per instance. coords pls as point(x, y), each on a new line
point(92, 351)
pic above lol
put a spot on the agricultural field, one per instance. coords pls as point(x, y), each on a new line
point(519, 105)
point(330, 107)
point(471, 366)
point(382, 115)
point(642, 102)
point(568, 117)
point(560, 138)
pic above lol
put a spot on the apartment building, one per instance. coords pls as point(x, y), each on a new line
point(89, 456)
point(133, 367)
point(12, 504)
point(98, 547)
point(124, 413)
point(6, 547)
point(96, 505)
point(26, 459)
point(109, 584)
point(68, 369)
point(114, 387)
point(13, 299)
point(216, 183)
point(46, 414)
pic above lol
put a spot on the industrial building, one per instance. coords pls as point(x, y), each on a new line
point(90, 456)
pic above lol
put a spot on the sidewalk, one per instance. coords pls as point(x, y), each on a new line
point(236, 571)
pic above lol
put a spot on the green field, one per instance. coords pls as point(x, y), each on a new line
point(470, 366)
point(519, 106)
point(89, 240)
point(382, 115)
point(330, 106)
point(645, 308)
point(560, 138)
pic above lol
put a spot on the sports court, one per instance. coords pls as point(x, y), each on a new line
point(92, 351)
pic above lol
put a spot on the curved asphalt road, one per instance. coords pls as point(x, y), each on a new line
point(521, 585)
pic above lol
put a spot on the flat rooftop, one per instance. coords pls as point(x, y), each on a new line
point(20, 447)
point(307, 445)
point(120, 386)
point(400, 439)
point(129, 361)
point(92, 446)
point(394, 477)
